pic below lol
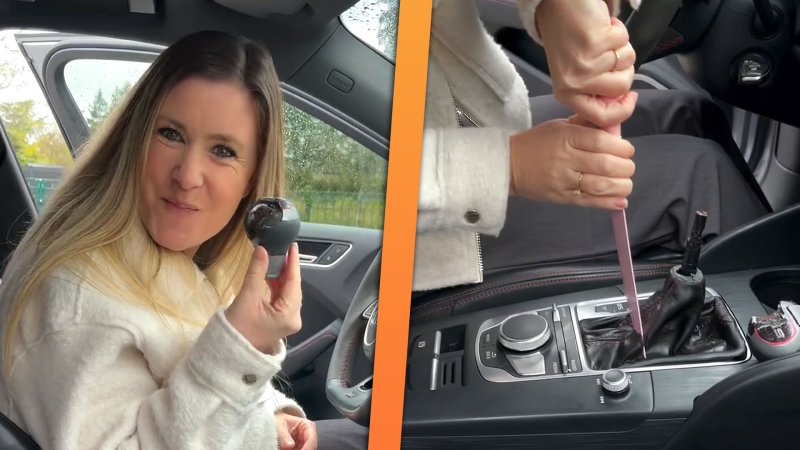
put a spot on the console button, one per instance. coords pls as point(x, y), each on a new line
point(489, 337)
point(571, 340)
point(424, 346)
point(615, 382)
point(491, 356)
point(528, 364)
point(549, 350)
point(524, 332)
point(612, 308)
point(602, 308)
point(332, 255)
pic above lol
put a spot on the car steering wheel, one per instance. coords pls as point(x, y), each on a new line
point(352, 399)
point(647, 25)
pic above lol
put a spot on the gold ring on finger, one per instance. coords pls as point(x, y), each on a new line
point(578, 191)
point(616, 60)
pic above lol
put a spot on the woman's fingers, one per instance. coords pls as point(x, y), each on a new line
point(603, 111)
point(596, 141)
point(609, 203)
point(601, 186)
point(616, 35)
point(627, 58)
point(286, 292)
point(602, 164)
point(285, 441)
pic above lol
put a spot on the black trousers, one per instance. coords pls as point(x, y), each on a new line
point(686, 160)
point(341, 434)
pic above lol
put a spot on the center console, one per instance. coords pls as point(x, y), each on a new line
point(519, 375)
point(547, 343)
point(507, 367)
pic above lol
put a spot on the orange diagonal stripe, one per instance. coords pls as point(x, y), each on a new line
point(400, 223)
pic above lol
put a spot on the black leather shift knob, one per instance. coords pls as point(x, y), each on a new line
point(273, 223)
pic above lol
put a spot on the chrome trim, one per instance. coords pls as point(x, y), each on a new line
point(370, 309)
point(494, 375)
point(434, 372)
point(373, 321)
point(437, 341)
point(307, 258)
point(524, 345)
point(325, 266)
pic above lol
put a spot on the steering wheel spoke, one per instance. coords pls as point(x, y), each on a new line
point(352, 399)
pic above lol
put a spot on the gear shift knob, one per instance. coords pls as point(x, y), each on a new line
point(273, 223)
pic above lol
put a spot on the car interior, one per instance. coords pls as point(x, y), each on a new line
point(545, 356)
point(327, 71)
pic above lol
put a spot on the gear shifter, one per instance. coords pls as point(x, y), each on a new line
point(273, 223)
point(678, 321)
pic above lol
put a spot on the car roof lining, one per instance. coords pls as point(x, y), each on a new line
point(304, 50)
point(292, 39)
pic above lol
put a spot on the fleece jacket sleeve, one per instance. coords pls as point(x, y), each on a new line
point(88, 386)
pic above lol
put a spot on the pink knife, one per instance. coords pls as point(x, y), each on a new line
point(626, 261)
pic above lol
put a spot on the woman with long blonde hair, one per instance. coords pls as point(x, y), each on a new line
point(137, 314)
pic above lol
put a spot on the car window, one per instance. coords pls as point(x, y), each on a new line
point(375, 23)
point(330, 177)
point(97, 85)
point(29, 124)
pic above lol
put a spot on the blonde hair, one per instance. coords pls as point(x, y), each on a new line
point(94, 213)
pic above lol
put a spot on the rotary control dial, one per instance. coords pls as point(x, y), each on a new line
point(524, 332)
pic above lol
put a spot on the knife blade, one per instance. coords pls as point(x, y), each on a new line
point(623, 245)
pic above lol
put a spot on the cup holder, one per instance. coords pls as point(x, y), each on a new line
point(777, 286)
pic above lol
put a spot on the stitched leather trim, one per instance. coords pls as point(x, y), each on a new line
point(502, 287)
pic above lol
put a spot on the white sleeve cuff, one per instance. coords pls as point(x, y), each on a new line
point(464, 178)
point(229, 365)
point(286, 404)
point(527, 12)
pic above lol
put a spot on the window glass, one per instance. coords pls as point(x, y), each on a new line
point(375, 23)
point(97, 86)
point(332, 178)
point(30, 126)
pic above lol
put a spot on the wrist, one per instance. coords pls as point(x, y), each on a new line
point(260, 340)
point(513, 146)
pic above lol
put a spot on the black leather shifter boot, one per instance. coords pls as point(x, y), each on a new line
point(681, 326)
point(668, 317)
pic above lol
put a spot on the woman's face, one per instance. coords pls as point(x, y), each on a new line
point(201, 159)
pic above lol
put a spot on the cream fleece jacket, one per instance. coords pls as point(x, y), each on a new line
point(94, 372)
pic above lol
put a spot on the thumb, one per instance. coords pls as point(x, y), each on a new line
point(257, 271)
point(285, 441)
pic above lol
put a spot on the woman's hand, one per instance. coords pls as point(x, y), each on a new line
point(570, 162)
point(589, 56)
point(266, 311)
point(295, 432)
